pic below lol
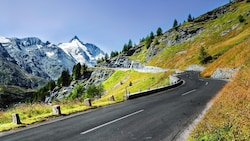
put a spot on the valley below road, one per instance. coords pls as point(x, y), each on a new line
point(160, 116)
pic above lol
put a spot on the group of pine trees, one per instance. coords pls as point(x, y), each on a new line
point(152, 38)
point(189, 19)
point(78, 72)
point(147, 41)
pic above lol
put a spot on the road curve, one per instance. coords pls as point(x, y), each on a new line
point(161, 116)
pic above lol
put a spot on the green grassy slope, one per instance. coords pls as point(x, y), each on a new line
point(120, 81)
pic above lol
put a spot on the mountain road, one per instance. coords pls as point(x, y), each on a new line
point(160, 116)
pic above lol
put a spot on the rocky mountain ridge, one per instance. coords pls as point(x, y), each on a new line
point(11, 74)
point(47, 60)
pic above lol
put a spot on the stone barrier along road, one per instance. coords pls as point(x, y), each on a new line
point(16, 119)
point(56, 110)
point(87, 102)
point(149, 92)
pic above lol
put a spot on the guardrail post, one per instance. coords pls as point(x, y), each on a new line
point(16, 119)
point(125, 97)
point(112, 98)
point(87, 102)
point(56, 110)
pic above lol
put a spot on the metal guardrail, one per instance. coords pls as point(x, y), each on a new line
point(152, 91)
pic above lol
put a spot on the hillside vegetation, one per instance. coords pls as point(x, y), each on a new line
point(226, 43)
point(217, 37)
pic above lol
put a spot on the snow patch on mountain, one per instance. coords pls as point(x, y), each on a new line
point(4, 40)
point(50, 54)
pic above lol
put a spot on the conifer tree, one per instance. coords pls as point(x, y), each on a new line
point(125, 48)
point(114, 54)
point(204, 57)
point(84, 68)
point(148, 42)
point(106, 57)
point(175, 24)
point(159, 31)
point(130, 44)
point(190, 19)
point(64, 79)
point(76, 73)
point(151, 36)
point(51, 85)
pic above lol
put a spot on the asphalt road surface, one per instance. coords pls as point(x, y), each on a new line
point(161, 116)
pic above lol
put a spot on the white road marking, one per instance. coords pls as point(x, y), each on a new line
point(206, 83)
point(110, 122)
point(189, 92)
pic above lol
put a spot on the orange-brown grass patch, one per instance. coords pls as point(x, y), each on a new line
point(233, 58)
point(229, 117)
point(226, 44)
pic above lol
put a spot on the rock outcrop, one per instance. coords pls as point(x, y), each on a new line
point(216, 13)
point(224, 73)
point(121, 61)
point(94, 77)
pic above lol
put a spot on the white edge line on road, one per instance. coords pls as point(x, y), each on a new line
point(189, 92)
point(110, 122)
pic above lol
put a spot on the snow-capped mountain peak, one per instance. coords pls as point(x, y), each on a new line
point(83, 53)
point(75, 38)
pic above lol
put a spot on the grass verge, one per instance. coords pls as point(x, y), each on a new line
point(115, 85)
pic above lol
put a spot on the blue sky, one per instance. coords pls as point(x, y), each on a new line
point(107, 23)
